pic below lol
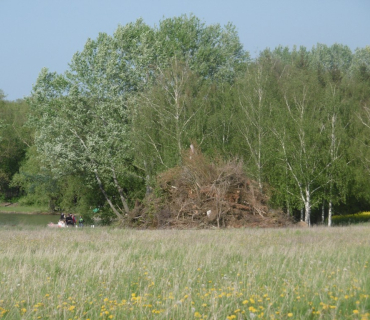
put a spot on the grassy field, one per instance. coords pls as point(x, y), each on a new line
point(105, 273)
point(23, 209)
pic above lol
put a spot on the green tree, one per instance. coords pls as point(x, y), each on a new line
point(257, 97)
point(81, 117)
point(79, 131)
point(15, 138)
point(213, 51)
point(174, 110)
point(36, 182)
point(337, 124)
point(301, 135)
point(169, 116)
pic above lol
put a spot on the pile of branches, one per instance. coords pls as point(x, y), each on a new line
point(201, 193)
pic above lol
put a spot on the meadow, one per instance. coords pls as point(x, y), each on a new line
point(107, 273)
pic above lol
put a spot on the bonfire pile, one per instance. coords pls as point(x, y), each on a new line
point(204, 194)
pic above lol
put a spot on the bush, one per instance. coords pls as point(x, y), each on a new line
point(351, 218)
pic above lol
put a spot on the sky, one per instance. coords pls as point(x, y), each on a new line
point(46, 33)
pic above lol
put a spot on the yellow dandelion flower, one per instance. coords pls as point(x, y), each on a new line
point(197, 314)
point(290, 314)
point(252, 309)
point(245, 301)
point(355, 311)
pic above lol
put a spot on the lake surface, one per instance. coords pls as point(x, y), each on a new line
point(27, 219)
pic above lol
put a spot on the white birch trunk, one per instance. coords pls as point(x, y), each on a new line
point(330, 213)
point(323, 213)
point(307, 207)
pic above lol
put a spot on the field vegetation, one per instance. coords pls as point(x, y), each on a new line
point(351, 218)
point(106, 273)
point(23, 209)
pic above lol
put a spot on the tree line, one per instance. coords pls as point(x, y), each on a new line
point(131, 103)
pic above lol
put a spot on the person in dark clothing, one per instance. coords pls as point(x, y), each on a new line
point(69, 220)
point(62, 216)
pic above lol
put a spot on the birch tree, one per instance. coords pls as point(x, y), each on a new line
point(255, 102)
point(169, 116)
point(337, 123)
point(301, 135)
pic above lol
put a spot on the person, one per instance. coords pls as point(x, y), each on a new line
point(80, 222)
point(69, 220)
point(52, 225)
point(74, 219)
point(61, 224)
point(63, 216)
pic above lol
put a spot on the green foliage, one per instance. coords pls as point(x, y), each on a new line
point(211, 51)
point(131, 103)
point(15, 138)
point(351, 218)
point(35, 181)
point(173, 113)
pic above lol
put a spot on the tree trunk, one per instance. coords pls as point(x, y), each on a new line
point(323, 213)
point(307, 206)
point(119, 216)
point(330, 213)
point(120, 191)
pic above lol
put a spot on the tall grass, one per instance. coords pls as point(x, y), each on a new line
point(102, 273)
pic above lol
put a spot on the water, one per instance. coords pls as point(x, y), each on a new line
point(11, 219)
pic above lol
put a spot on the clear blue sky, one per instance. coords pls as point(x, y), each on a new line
point(46, 33)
